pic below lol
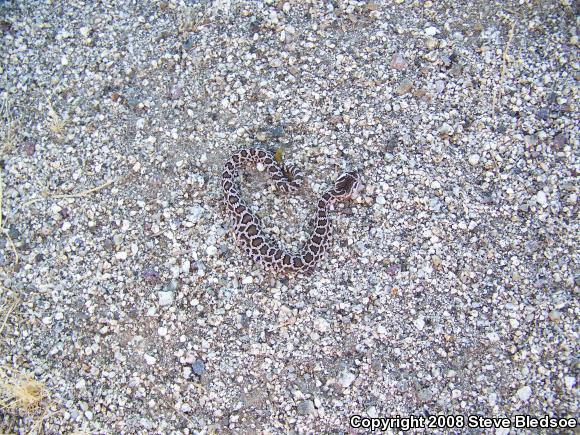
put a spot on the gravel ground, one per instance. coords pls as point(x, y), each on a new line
point(452, 283)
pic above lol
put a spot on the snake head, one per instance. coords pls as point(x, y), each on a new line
point(348, 185)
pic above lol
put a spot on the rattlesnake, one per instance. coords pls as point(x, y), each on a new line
point(288, 178)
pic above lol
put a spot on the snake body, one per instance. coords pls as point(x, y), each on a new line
point(247, 226)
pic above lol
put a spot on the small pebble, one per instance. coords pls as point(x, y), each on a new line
point(420, 323)
point(85, 31)
point(541, 198)
point(445, 130)
point(321, 325)
point(426, 394)
point(196, 213)
point(398, 62)
point(431, 31)
point(198, 367)
point(524, 393)
point(150, 360)
point(165, 298)
point(306, 407)
point(560, 141)
point(543, 114)
point(436, 260)
point(277, 132)
point(381, 330)
point(150, 276)
point(171, 286)
point(346, 378)
point(404, 87)
point(29, 148)
point(473, 159)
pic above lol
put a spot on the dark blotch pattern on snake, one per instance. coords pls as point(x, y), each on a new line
point(248, 228)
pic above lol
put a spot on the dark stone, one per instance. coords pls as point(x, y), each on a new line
point(108, 245)
point(198, 367)
point(14, 233)
point(391, 144)
point(559, 141)
point(544, 114)
point(28, 147)
point(151, 276)
point(277, 131)
point(188, 43)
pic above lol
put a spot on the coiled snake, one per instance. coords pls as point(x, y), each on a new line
point(288, 178)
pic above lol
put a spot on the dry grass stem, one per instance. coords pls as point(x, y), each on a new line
point(71, 195)
point(20, 392)
point(498, 91)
